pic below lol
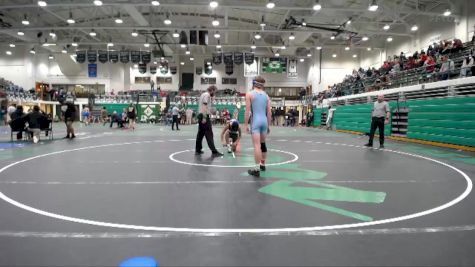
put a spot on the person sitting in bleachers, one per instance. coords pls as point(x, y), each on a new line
point(466, 70)
point(429, 64)
point(457, 46)
point(447, 68)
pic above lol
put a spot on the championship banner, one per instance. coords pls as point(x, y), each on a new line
point(124, 57)
point(228, 58)
point(103, 56)
point(217, 58)
point(153, 69)
point(229, 69)
point(164, 67)
point(238, 58)
point(199, 70)
point(252, 70)
point(114, 56)
point(92, 56)
point(173, 70)
point(135, 57)
point(81, 56)
point(274, 65)
point(249, 58)
point(142, 68)
point(146, 57)
point(92, 70)
point(292, 69)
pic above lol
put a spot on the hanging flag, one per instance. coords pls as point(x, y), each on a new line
point(103, 56)
point(81, 56)
point(292, 69)
point(252, 70)
point(153, 69)
point(114, 56)
point(135, 57)
point(238, 58)
point(173, 70)
point(124, 57)
point(199, 70)
point(217, 58)
point(229, 69)
point(92, 56)
point(146, 57)
point(228, 58)
point(249, 58)
point(142, 68)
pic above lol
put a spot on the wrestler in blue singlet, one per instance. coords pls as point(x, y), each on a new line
point(259, 112)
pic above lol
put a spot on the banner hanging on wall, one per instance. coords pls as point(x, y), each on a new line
point(153, 69)
point(92, 70)
point(103, 56)
point(173, 70)
point(249, 58)
point(292, 69)
point(199, 70)
point(142, 68)
point(146, 57)
point(135, 57)
point(238, 58)
point(124, 57)
point(229, 69)
point(114, 56)
point(252, 70)
point(228, 58)
point(274, 65)
point(92, 56)
point(81, 56)
point(217, 58)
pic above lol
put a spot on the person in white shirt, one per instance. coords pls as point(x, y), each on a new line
point(466, 67)
point(447, 68)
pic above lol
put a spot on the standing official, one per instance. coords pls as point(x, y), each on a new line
point(204, 123)
point(380, 117)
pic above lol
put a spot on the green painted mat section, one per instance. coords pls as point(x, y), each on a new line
point(448, 120)
point(445, 120)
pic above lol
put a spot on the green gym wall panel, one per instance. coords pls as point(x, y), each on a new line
point(442, 139)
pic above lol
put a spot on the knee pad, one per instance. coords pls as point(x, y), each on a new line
point(263, 147)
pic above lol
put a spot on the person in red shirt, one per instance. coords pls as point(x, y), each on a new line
point(430, 64)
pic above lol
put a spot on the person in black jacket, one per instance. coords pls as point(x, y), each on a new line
point(69, 117)
point(34, 120)
point(17, 123)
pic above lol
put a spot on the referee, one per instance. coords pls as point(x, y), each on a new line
point(380, 117)
point(204, 123)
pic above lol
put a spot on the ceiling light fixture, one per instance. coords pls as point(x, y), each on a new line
point(218, 46)
point(52, 34)
point(365, 38)
point(75, 44)
point(374, 6)
point(98, 2)
point(347, 48)
point(64, 51)
point(70, 20)
point(348, 22)
point(334, 55)
point(447, 13)
point(333, 37)
point(167, 20)
point(42, 3)
point(309, 55)
point(253, 47)
point(20, 33)
point(92, 33)
point(213, 4)
point(192, 58)
point(263, 23)
point(118, 20)
point(292, 36)
point(215, 22)
point(176, 34)
point(110, 44)
point(317, 5)
point(270, 4)
point(369, 49)
point(217, 35)
point(386, 27)
point(182, 63)
point(25, 20)
point(277, 54)
point(183, 45)
point(187, 52)
point(302, 59)
point(355, 56)
point(319, 48)
point(12, 45)
point(304, 23)
point(146, 45)
point(390, 39)
point(50, 57)
point(8, 53)
point(257, 36)
point(155, 3)
point(32, 51)
point(134, 33)
point(414, 28)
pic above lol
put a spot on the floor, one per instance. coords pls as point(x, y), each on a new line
point(111, 195)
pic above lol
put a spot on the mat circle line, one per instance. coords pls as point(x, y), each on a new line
point(238, 231)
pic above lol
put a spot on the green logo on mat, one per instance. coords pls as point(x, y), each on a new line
point(306, 187)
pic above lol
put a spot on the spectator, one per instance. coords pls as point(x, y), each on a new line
point(34, 123)
point(447, 48)
point(447, 68)
point(104, 116)
point(429, 64)
point(18, 114)
point(115, 117)
point(466, 70)
point(457, 46)
point(85, 116)
point(69, 118)
point(12, 108)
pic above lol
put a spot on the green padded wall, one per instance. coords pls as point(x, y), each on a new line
point(317, 116)
point(445, 120)
point(357, 118)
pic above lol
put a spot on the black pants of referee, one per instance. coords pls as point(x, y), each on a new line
point(377, 123)
point(205, 130)
point(176, 121)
